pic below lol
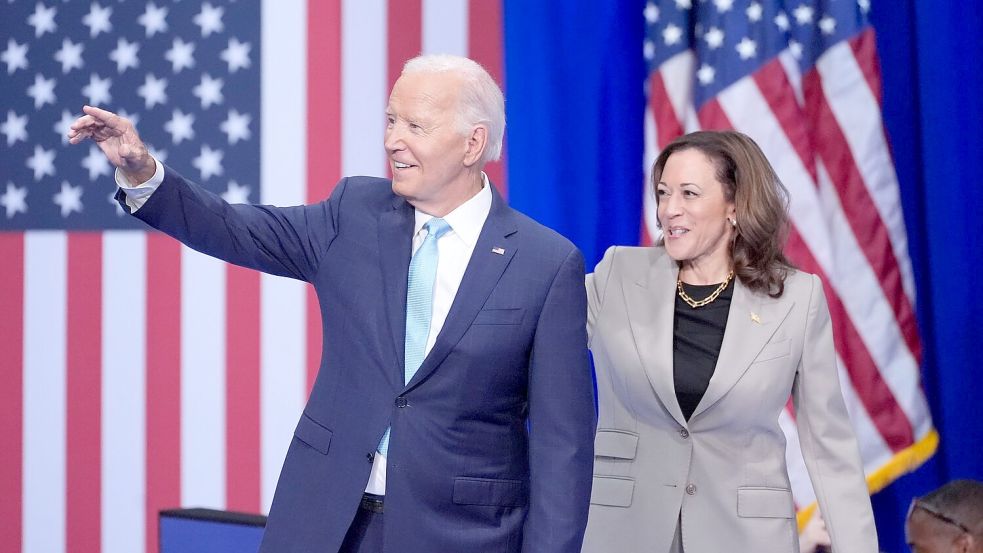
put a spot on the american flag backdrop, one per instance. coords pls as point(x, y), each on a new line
point(801, 78)
point(138, 374)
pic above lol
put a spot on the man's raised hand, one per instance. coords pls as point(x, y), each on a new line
point(118, 140)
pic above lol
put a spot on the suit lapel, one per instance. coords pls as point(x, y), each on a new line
point(395, 248)
point(751, 321)
point(650, 303)
point(484, 271)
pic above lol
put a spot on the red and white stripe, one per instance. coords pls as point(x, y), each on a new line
point(141, 375)
point(823, 133)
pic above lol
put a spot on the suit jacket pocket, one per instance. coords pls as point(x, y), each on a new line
point(313, 434)
point(613, 491)
point(774, 350)
point(490, 491)
point(765, 503)
point(619, 444)
point(499, 316)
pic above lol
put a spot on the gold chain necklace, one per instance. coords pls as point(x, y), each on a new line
point(709, 299)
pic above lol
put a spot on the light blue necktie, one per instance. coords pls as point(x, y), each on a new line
point(419, 305)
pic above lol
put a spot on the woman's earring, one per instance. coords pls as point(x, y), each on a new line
point(733, 222)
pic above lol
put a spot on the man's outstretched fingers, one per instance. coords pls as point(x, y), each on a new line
point(106, 117)
point(75, 136)
point(84, 122)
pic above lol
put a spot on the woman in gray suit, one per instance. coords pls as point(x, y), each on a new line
point(698, 343)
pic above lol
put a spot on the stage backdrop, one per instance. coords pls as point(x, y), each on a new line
point(139, 375)
point(803, 79)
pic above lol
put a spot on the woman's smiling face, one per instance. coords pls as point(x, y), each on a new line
point(694, 211)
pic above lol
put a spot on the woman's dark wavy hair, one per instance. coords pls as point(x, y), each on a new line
point(760, 199)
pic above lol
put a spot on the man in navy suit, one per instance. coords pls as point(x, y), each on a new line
point(453, 409)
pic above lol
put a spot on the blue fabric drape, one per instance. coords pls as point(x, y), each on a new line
point(575, 103)
point(933, 83)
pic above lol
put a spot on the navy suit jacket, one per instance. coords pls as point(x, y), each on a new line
point(492, 440)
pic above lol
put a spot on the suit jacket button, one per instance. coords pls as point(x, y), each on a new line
point(401, 402)
point(684, 433)
point(691, 489)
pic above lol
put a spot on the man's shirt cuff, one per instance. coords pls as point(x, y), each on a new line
point(138, 194)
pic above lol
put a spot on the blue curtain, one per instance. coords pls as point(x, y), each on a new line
point(933, 82)
point(575, 103)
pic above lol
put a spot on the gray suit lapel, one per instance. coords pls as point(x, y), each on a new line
point(751, 321)
point(650, 303)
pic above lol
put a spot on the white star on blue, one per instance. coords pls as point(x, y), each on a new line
point(186, 74)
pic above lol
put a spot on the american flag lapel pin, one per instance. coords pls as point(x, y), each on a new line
point(499, 251)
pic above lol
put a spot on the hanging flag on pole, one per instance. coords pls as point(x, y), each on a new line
point(801, 78)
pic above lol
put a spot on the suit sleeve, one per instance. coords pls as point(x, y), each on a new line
point(561, 418)
point(829, 446)
point(288, 241)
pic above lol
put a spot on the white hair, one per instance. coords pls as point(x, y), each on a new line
point(480, 101)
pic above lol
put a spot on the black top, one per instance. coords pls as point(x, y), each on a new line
point(697, 336)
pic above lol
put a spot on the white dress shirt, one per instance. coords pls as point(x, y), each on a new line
point(138, 194)
point(454, 250)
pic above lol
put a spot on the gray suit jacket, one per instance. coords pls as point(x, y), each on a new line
point(723, 472)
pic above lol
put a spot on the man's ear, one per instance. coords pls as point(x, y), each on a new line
point(475, 146)
point(965, 543)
